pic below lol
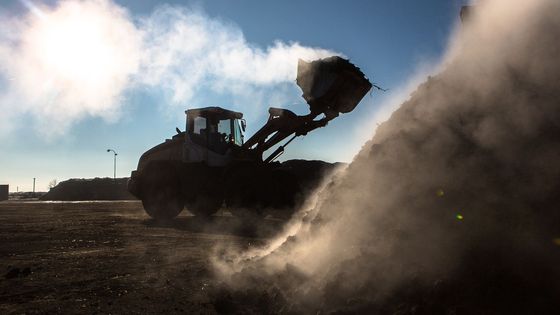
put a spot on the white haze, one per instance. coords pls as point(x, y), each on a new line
point(72, 61)
point(451, 207)
point(187, 51)
point(79, 59)
point(366, 128)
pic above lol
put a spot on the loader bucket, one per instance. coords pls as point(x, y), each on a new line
point(331, 84)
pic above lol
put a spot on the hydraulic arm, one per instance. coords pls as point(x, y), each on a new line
point(330, 86)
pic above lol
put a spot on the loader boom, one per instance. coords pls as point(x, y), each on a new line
point(330, 86)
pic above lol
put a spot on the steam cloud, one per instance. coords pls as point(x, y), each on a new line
point(61, 64)
point(452, 207)
point(79, 59)
point(189, 50)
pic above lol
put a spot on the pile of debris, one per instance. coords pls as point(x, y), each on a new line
point(90, 189)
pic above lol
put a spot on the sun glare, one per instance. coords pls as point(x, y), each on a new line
point(82, 46)
point(74, 48)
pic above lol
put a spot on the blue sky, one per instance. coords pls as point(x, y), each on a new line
point(388, 40)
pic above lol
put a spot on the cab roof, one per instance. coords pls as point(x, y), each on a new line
point(221, 113)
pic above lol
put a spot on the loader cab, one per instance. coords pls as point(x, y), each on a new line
point(212, 133)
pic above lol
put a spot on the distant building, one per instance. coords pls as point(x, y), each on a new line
point(4, 192)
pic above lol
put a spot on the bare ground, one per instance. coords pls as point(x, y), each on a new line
point(109, 257)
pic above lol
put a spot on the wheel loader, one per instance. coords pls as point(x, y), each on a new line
point(210, 165)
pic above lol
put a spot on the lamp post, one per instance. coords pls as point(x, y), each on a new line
point(114, 162)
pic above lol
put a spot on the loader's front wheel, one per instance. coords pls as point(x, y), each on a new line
point(205, 205)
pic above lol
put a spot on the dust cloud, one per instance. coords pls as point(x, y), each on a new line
point(452, 207)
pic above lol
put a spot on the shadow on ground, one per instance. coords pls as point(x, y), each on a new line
point(221, 225)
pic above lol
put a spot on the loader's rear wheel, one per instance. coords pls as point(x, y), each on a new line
point(164, 203)
point(161, 191)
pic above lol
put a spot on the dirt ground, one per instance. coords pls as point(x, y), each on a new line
point(109, 257)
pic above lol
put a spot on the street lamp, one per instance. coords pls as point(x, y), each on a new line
point(114, 162)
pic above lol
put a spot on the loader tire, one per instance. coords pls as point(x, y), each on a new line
point(161, 192)
point(163, 204)
point(243, 195)
point(284, 189)
point(205, 205)
point(256, 192)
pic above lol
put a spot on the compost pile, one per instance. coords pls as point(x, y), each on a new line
point(90, 189)
point(451, 208)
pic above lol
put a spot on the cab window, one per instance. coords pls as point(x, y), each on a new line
point(199, 125)
point(237, 135)
point(224, 128)
point(199, 135)
point(219, 135)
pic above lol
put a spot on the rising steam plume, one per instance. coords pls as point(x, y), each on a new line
point(452, 207)
point(78, 59)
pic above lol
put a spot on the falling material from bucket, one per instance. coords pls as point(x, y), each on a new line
point(331, 84)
